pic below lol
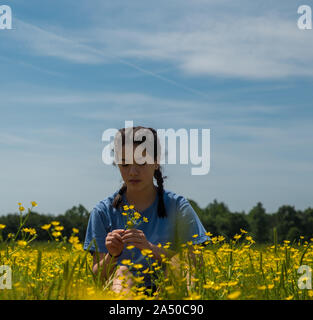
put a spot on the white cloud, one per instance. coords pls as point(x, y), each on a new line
point(13, 139)
point(250, 47)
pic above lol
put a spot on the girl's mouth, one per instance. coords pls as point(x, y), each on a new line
point(134, 181)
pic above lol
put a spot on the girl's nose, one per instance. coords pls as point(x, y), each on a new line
point(133, 170)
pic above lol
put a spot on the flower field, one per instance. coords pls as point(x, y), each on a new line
point(233, 269)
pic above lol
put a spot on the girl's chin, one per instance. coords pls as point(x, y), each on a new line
point(137, 185)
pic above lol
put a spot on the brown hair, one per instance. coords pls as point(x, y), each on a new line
point(117, 202)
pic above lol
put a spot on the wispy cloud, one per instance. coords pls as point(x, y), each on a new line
point(15, 140)
point(253, 47)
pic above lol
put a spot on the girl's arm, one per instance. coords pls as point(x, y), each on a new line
point(105, 262)
point(106, 265)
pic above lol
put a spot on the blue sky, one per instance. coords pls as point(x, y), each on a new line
point(71, 70)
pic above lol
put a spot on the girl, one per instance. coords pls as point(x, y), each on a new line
point(166, 218)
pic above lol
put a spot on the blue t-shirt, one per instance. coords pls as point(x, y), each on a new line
point(178, 227)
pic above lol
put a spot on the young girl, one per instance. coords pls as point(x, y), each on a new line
point(166, 218)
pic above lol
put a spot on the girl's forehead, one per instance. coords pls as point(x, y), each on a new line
point(135, 154)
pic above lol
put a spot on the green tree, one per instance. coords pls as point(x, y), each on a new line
point(258, 222)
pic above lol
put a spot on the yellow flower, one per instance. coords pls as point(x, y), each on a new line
point(34, 204)
point(124, 213)
point(139, 279)
point(138, 266)
point(22, 243)
point(243, 231)
point(78, 246)
point(234, 295)
point(145, 219)
point(55, 223)
point(31, 231)
point(56, 234)
point(59, 228)
point(21, 208)
point(125, 208)
point(2, 226)
point(130, 247)
point(130, 223)
point(46, 227)
point(137, 215)
point(127, 262)
point(73, 240)
point(75, 230)
point(289, 297)
point(145, 252)
point(209, 234)
point(237, 236)
point(131, 207)
point(170, 289)
point(195, 235)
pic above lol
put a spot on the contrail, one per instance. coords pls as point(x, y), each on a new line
point(150, 73)
point(98, 52)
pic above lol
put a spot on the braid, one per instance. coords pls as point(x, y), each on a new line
point(118, 198)
point(161, 206)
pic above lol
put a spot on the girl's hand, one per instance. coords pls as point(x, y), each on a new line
point(136, 238)
point(114, 242)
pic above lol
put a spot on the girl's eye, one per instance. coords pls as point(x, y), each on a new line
point(125, 165)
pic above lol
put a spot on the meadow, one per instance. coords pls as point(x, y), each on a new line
point(232, 269)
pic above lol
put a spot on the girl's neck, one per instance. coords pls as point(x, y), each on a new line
point(143, 199)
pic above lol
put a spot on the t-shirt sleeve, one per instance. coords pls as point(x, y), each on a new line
point(188, 225)
point(97, 229)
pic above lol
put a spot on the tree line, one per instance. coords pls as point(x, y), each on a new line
point(215, 217)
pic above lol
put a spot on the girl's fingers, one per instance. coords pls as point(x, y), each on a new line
point(115, 236)
point(118, 237)
point(134, 236)
point(128, 231)
point(133, 240)
point(118, 231)
point(116, 242)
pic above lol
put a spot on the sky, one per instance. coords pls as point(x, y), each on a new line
point(70, 70)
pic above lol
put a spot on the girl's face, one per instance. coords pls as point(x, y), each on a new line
point(137, 176)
